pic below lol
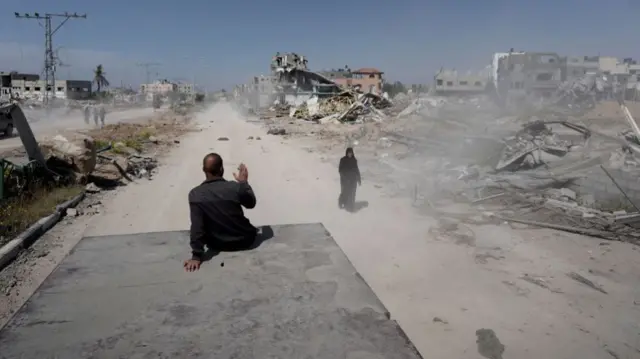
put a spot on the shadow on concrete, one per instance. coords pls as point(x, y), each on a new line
point(358, 206)
point(264, 234)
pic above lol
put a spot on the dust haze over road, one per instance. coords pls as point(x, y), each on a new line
point(60, 121)
point(439, 292)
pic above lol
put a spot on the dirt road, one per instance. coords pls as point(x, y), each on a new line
point(75, 121)
point(440, 291)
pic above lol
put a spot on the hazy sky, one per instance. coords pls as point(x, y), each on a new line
point(223, 43)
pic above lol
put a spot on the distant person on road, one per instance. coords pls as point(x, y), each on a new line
point(87, 114)
point(96, 115)
point(103, 114)
point(217, 218)
point(349, 180)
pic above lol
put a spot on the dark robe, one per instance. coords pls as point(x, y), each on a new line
point(349, 180)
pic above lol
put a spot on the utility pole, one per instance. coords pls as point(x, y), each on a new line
point(50, 58)
point(147, 67)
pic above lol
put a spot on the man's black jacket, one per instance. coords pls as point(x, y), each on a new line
point(217, 216)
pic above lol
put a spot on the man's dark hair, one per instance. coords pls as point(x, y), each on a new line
point(212, 164)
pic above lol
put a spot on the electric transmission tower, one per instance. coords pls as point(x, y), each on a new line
point(147, 68)
point(50, 59)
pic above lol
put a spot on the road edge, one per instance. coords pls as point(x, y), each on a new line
point(11, 250)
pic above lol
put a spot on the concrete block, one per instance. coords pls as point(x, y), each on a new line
point(294, 296)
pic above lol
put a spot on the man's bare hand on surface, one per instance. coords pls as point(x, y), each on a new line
point(192, 265)
point(243, 173)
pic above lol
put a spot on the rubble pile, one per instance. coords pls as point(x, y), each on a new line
point(347, 106)
point(537, 145)
point(533, 168)
point(117, 167)
point(580, 93)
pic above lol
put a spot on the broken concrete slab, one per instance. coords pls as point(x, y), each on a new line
point(295, 296)
point(76, 150)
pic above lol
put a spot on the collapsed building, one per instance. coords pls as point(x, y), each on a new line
point(518, 75)
point(290, 81)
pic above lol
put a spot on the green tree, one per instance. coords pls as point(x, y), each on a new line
point(99, 78)
point(393, 88)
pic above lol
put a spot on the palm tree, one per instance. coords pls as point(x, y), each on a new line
point(99, 78)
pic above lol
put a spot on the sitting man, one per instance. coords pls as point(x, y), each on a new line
point(217, 218)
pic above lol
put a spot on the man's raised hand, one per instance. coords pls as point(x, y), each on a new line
point(243, 173)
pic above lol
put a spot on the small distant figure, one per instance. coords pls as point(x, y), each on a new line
point(349, 180)
point(96, 115)
point(103, 114)
point(87, 113)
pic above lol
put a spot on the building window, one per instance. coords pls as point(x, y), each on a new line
point(27, 88)
point(60, 89)
point(449, 83)
point(439, 82)
point(478, 83)
point(463, 83)
point(372, 76)
point(371, 88)
point(544, 77)
point(38, 88)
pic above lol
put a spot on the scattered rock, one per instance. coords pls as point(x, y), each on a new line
point(448, 224)
point(223, 138)
point(176, 141)
point(489, 345)
point(258, 138)
point(92, 188)
point(276, 131)
point(75, 151)
point(250, 138)
point(566, 192)
point(71, 212)
point(439, 320)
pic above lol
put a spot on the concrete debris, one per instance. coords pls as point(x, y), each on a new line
point(92, 188)
point(71, 212)
point(581, 92)
point(276, 131)
point(74, 151)
point(489, 345)
point(347, 106)
point(117, 168)
point(539, 167)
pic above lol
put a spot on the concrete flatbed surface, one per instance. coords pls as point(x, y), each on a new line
point(127, 296)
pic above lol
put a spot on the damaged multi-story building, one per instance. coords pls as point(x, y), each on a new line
point(518, 75)
point(290, 81)
point(451, 82)
point(30, 86)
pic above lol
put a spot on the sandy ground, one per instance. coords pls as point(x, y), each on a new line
point(440, 289)
point(74, 121)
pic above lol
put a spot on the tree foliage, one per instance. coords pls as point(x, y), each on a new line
point(99, 78)
point(393, 88)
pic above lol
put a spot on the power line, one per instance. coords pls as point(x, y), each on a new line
point(147, 67)
point(50, 58)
